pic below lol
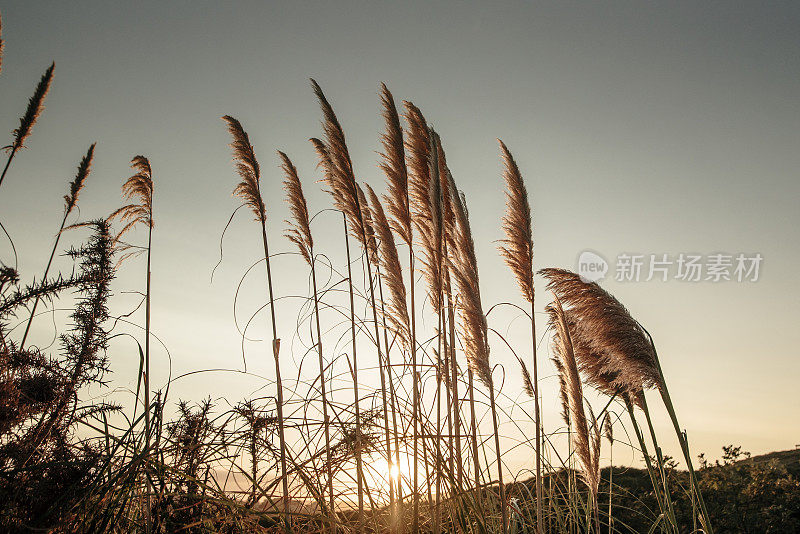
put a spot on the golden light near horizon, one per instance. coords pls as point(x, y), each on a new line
point(380, 472)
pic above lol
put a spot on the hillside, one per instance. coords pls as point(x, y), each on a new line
point(743, 494)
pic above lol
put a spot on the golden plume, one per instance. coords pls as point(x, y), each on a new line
point(517, 247)
point(392, 272)
point(582, 441)
point(612, 346)
point(299, 231)
point(139, 189)
point(394, 166)
point(249, 189)
point(527, 383)
point(338, 168)
point(464, 268)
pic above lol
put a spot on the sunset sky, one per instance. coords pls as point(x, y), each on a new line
point(639, 128)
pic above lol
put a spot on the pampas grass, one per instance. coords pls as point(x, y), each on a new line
point(517, 250)
point(249, 191)
point(613, 348)
point(618, 356)
point(299, 233)
point(392, 272)
point(414, 170)
point(174, 476)
point(335, 161)
point(32, 113)
point(473, 321)
point(586, 438)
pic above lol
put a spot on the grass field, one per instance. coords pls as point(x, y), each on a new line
point(324, 450)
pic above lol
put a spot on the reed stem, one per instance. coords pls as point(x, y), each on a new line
point(323, 388)
point(44, 277)
point(359, 465)
point(276, 347)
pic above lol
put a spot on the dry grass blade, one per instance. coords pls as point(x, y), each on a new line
point(610, 345)
point(517, 247)
point(249, 189)
point(77, 183)
point(299, 231)
point(34, 110)
point(574, 390)
point(394, 166)
point(608, 428)
point(392, 272)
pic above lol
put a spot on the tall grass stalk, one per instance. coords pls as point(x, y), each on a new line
point(300, 234)
point(517, 250)
point(475, 329)
point(608, 427)
point(139, 189)
point(416, 191)
point(370, 259)
point(249, 190)
point(354, 370)
point(70, 202)
point(388, 269)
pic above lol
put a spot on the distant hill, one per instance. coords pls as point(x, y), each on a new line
point(789, 459)
point(759, 494)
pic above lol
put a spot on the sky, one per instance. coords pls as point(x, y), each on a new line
point(640, 128)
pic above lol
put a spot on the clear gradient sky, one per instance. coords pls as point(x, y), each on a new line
point(639, 127)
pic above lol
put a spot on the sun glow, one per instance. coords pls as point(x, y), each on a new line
point(381, 473)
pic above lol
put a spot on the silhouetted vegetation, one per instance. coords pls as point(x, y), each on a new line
point(329, 454)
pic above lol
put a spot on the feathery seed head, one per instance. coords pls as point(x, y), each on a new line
point(244, 157)
point(299, 231)
point(34, 109)
point(391, 272)
point(77, 183)
point(517, 247)
point(394, 166)
point(612, 347)
point(139, 189)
